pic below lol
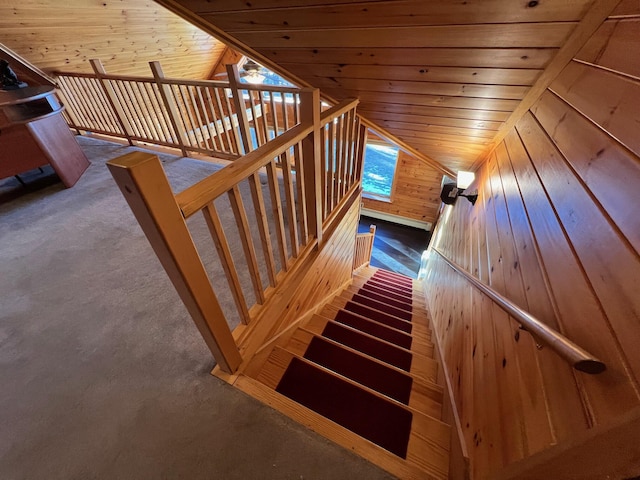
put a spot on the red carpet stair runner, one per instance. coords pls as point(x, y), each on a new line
point(366, 364)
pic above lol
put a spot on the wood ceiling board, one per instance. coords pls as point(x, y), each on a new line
point(610, 46)
point(465, 132)
point(393, 13)
point(199, 6)
point(529, 35)
point(426, 120)
point(508, 92)
point(125, 35)
point(419, 73)
point(412, 135)
point(626, 8)
point(461, 113)
point(490, 104)
point(528, 58)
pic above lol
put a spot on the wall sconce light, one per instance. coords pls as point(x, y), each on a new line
point(451, 191)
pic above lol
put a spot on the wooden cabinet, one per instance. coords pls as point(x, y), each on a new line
point(33, 133)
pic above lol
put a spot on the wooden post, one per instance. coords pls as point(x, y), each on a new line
point(372, 231)
point(362, 144)
point(310, 115)
point(241, 110)
point(167, 94)
point(112, 97)
point(144, 185)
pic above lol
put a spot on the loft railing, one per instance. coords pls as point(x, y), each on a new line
point(579, 358)
point(363, 248)
point(291, 213)
point(220, 119)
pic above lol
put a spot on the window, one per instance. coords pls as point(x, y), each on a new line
point(379, 169)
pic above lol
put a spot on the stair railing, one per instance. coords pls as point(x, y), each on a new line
point(288, 213)
point(219, 119)
point(363, 248)
point(579, 358)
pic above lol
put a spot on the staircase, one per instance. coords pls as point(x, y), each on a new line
point(362, 373)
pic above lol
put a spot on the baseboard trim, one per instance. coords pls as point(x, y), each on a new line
point(388, 217)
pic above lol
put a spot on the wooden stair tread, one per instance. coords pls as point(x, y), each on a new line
point(402, 304)
point(419, 325)
point(424, 396)
point(419, 343)
point(421, 365)
point(428, 436)
point(414, 469)
point(411, 316)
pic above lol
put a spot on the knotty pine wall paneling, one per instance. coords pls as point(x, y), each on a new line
point(415, 193)
point(125, 34)
point(556, 230)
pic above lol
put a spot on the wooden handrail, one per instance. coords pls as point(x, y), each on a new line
point(579, 358)
point(336, 111)
point(196, 197)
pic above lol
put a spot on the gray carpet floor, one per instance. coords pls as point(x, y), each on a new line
point(103, 375)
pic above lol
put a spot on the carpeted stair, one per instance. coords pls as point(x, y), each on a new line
point(362, 372)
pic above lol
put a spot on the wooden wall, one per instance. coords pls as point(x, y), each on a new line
point(556, 229)
point(124, 34)
point(416, 191)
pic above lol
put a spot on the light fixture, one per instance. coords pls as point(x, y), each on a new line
point(252, 72)
point(451, 191)
point(465, 179)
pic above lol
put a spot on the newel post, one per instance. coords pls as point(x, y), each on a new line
point(144, 185)
point(310, 115)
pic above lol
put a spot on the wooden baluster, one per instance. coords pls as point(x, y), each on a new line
point(124, 100)
point(247, 241)
point(362, 144)
point(148, 112)
point(185, 114)
point(310, 115)
point(66, 95)
point(324, 170)
point(226, 259)
point(201, 125)
point(170, 105)
point(210, 108)
point(144, 185)
point(115, 105)
point(264, 119)
point(240, 107)
point(82, 100)
point(276, 206)
point(263, 226)
point(134, 105)
point(102, 114)
point(274, 113)
point(301, 204)
point(332, 166)
point(235, 146)
point(260, 139)
point(346, 118)
point(352, 148)
point(285, 161)
point(162, 118)
point(339, 128)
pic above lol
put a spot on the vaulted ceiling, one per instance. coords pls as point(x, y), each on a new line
point(439, 76)
point(124, 34)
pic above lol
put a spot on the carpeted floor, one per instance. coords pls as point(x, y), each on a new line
point(102, 372)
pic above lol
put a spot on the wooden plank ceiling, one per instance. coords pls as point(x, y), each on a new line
point(124, 34)
point(440, 75)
